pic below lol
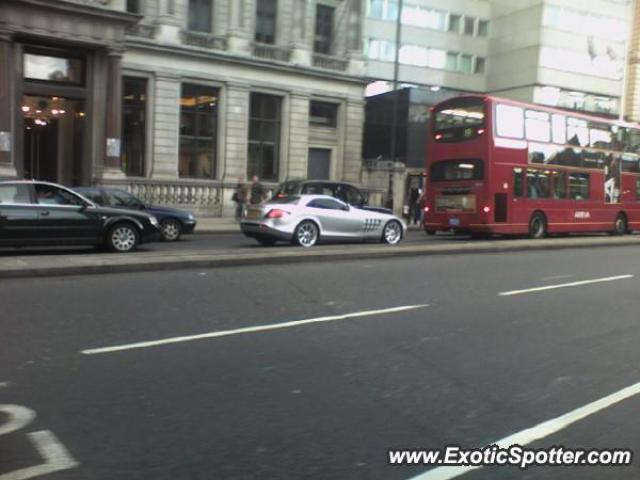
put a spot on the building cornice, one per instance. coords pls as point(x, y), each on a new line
point(91, 8)
point(244, 60)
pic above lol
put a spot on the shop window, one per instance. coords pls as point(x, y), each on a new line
point(198, 131)
point(54, 68)
point(323, 114)
point(134, 106)
point(264, 136)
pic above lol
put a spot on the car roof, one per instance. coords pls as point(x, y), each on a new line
point(309, 197)
point(332, 182)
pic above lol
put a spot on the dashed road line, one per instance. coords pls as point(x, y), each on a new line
point(538, 432)
point(563, 285)
point(255, 329)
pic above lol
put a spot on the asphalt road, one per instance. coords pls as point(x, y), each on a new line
point(211, 241)
point(323, 399)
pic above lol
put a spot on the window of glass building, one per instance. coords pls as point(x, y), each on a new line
point(413, 55)
point(323, 114)
point(200, 15)
point(264, 136)
point(383, 9)
point(454, 23)
point(479, 65)
point(134, 114)
point(469, 24)
point(54, 68)
point(381, 50)
point(198, 131)
point(324, 29)
point(423, 17)
point(437, 58)
point(266, 16)
point(452, 61)
point(483, 28)
point(465, 63)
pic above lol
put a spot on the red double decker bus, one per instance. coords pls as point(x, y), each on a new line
point(506, 167)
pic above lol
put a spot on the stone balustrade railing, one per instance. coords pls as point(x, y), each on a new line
point(271, 52)
point(142, 30)
point(196, 196)
point(330, 62)
point(203, 40)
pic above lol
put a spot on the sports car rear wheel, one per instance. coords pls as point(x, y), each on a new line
point(306, 234)
point(392, 232)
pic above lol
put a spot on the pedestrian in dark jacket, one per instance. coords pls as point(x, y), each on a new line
point(257, 191)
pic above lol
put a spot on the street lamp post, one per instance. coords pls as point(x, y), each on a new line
point(394, 117)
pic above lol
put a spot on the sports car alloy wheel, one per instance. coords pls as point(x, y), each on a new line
point(392, 233)
point(306, 234)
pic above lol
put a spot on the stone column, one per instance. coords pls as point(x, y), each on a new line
point(298, 137)
point(239, 36)
point(300, 41)
point(236, 123)
point(113, 124)
point(171, 16)
point(357, 65)
point(7, 74)
point(352, 146)
point(166, 126)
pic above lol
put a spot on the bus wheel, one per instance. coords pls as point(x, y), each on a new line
point(620, 226)
point(430, 232)
point(538, 226)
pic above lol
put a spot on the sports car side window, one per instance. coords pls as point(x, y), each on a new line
point(325, 203)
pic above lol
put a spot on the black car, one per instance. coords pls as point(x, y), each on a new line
point(344, 191)
point(43, 214)
point(173, 222)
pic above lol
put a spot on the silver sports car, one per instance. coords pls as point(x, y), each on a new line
point(307, 219)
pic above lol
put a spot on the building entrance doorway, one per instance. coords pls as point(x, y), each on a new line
point(53, 139)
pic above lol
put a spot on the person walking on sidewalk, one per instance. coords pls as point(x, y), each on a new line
point(257, 191)
point(241, 197)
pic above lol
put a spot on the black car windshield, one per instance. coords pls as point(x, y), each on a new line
point(122, 199)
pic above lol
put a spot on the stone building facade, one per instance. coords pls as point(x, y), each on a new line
point(177, 99)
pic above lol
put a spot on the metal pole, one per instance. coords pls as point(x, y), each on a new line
point(394, 118)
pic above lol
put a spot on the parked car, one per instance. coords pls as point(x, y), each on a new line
point(307, 219)
point(347, 192)
point(173, 222)
point(43, 213)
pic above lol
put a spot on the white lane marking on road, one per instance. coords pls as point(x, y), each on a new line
point(19, 417)
point(56, 457)
point(564, 285)
point(538, 432)
point(259, 328)
point(4, 384)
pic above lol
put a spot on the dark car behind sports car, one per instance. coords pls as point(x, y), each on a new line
point(347, 192)
point(173, 222)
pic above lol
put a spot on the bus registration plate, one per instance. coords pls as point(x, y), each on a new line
point(454, 222)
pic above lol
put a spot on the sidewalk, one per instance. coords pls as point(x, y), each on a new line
point(93, 263)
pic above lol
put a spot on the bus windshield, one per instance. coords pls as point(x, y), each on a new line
point(459, 120)
point(467, 169)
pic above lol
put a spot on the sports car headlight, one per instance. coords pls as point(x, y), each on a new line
point(154, 221)
point(191, 217)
